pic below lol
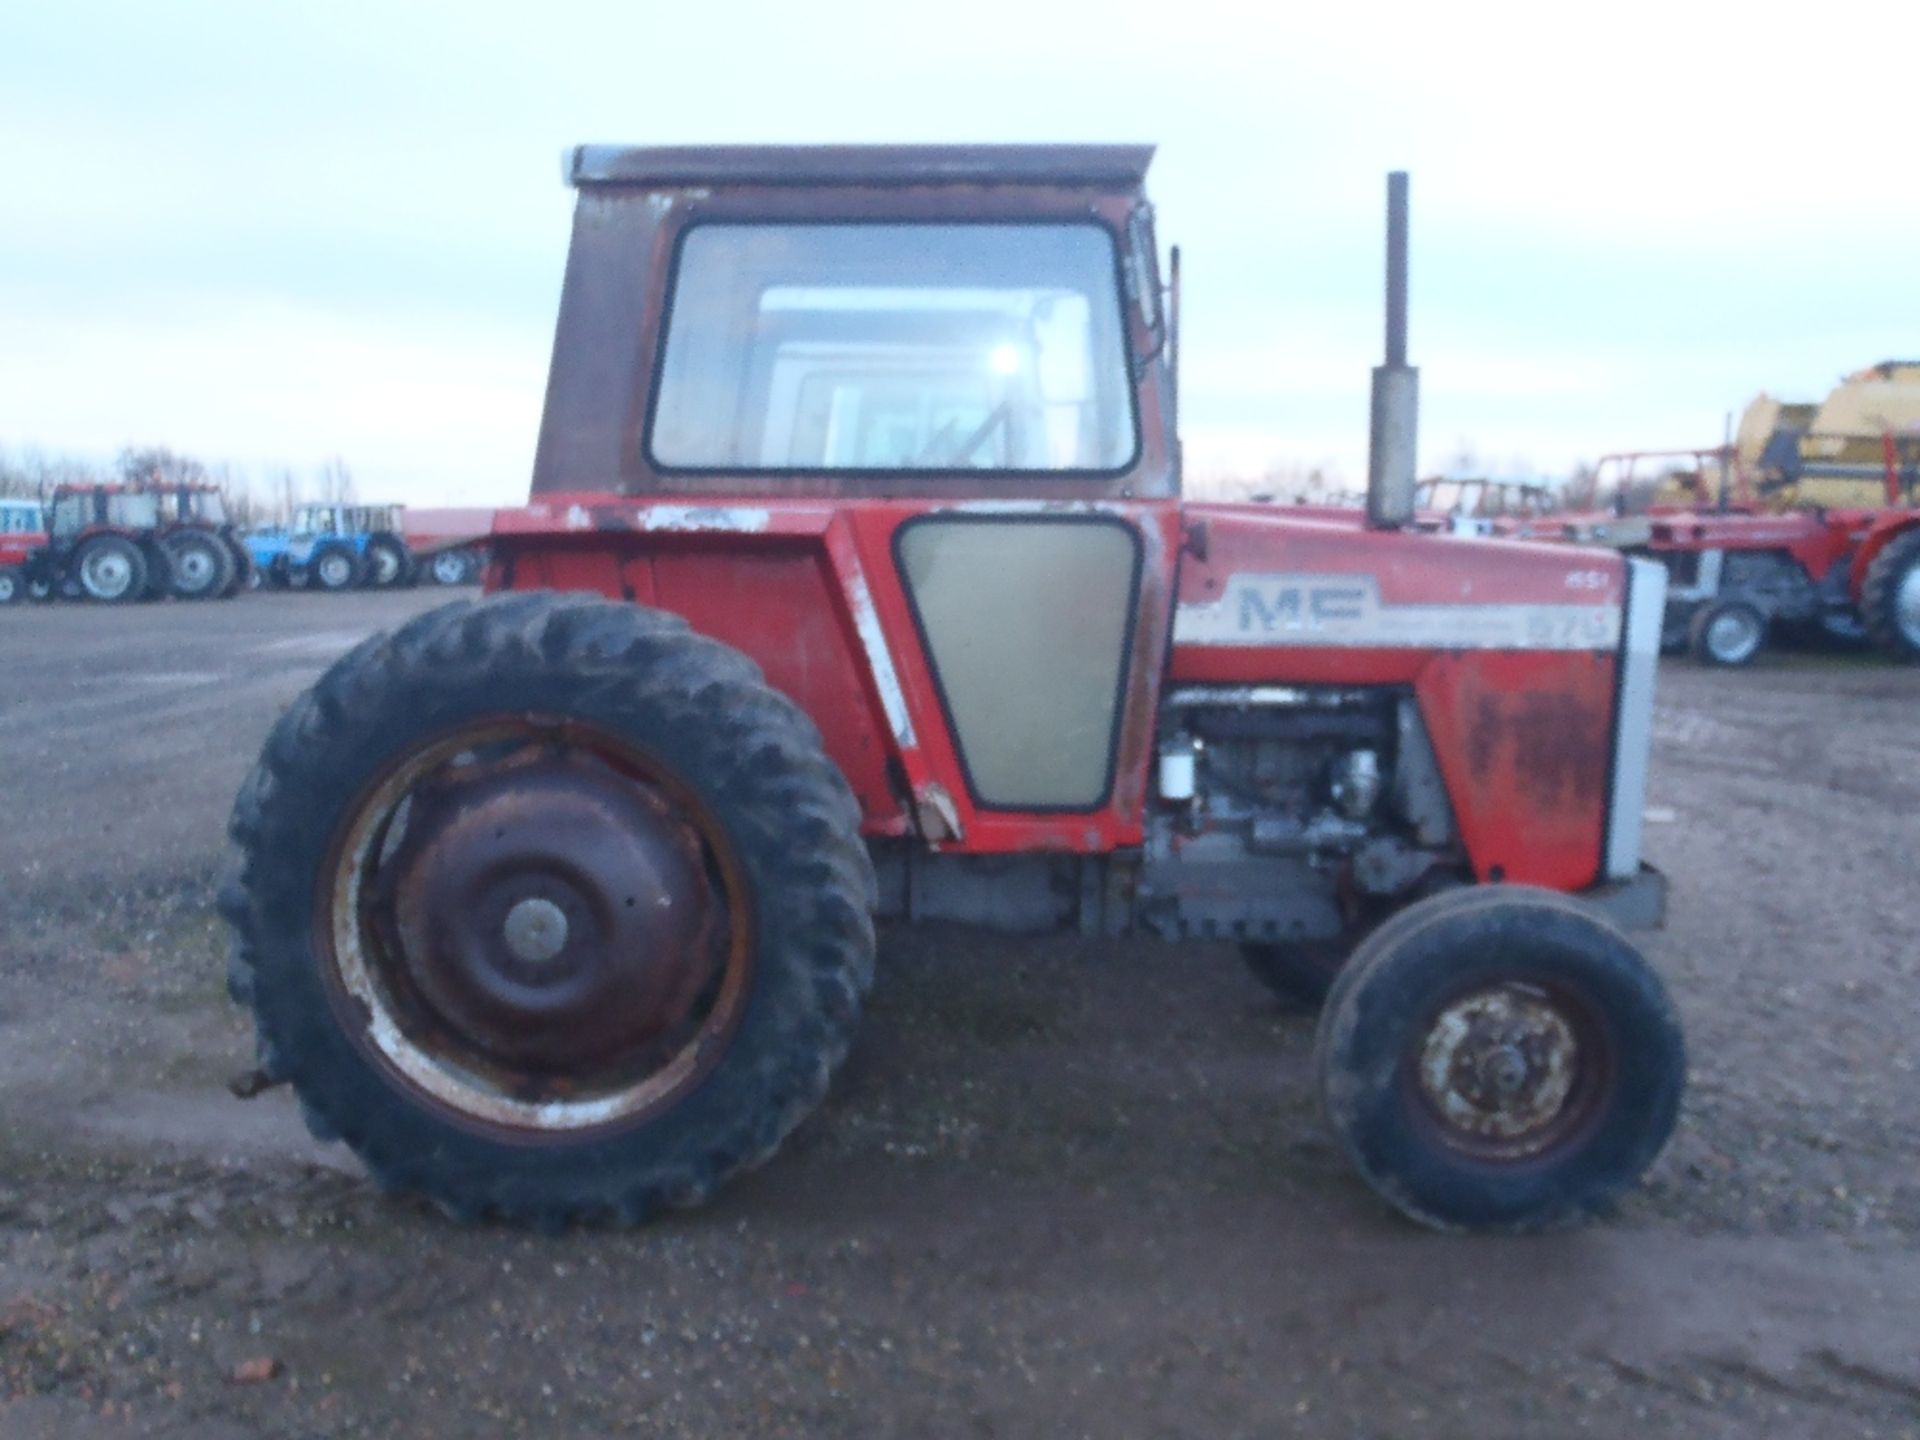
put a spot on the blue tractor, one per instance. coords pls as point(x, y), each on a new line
point(334, 547)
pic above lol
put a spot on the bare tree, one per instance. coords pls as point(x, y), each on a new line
point(157, 465)
point(336, 482)
point(33, 473)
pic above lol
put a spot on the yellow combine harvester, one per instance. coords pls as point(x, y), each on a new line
point(1857, 449)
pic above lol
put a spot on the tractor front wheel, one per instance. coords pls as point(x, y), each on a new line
point(110, 569)
point(334, 567)
point(13, 585)
point(1727, 633)
point(1890, 597)
point(551, 908)
point(1499, 1059)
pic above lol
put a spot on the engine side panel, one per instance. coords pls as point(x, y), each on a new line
point(1513, 665)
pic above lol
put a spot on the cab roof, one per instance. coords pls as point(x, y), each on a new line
point(671, 166)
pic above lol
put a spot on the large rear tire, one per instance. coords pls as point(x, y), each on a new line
point(1499, 1059)
point(110, 570)
point(1890, 597)
point(388, 566)
point(246, 575)
point(200, 565)
point(551, 908)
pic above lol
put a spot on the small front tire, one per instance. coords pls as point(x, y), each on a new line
point(333, 568)
point(1727, 634)
point(1499, 1059)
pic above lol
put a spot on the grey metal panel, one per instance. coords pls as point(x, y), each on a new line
point(684, 165)
point(1027, 624)
point(1633, 727)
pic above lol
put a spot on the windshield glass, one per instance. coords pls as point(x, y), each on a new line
point(19, 519)
point(895, 347)
point(72, 514)
point(136, 510)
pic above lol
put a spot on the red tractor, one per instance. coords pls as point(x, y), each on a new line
point(856, 582)
point(1737, 568)
point(23, 535)
point(1850, 574)
point(120, 543)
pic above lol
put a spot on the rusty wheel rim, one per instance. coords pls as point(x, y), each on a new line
point(1512, 1071)
point(536, 929)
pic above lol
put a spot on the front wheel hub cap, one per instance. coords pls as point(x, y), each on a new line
point(1499, 1068)
point(551, 920)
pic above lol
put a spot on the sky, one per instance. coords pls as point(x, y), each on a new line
point(275, 234)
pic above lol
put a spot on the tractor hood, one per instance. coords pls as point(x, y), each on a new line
point(1255, 576)
point(1532, 665)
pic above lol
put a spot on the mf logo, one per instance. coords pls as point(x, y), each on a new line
point(1294, 605)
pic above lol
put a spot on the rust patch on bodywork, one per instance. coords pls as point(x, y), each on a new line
point(1556, 745)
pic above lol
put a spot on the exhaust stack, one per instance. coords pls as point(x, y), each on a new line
point(1393, 443)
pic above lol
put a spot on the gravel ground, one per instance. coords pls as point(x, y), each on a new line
point(1061, 1188)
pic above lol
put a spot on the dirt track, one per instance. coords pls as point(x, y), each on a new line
point(1061, 1189)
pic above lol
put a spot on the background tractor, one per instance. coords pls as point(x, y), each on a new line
point(335, 547)
point(119, 543)
point(23, 532)
point(856, 582)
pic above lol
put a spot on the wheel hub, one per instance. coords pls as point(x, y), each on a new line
point(536, 930)
point(550, 919)
point(1500, 1065)
point(195, 569)
point(108, 573)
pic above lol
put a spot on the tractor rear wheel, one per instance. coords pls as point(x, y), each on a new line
point(1890, 597)
point(388, 566)
point(1499, 1058)
point(1727, 633)
point(110, 569)
point(246, 575)
point(551, 908)
point(201, 565)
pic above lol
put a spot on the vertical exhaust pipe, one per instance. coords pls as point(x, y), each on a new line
point(1392, 451)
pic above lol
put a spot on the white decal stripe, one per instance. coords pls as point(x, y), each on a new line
point(1326, 610)
point(724, 519)
point(873, 640)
